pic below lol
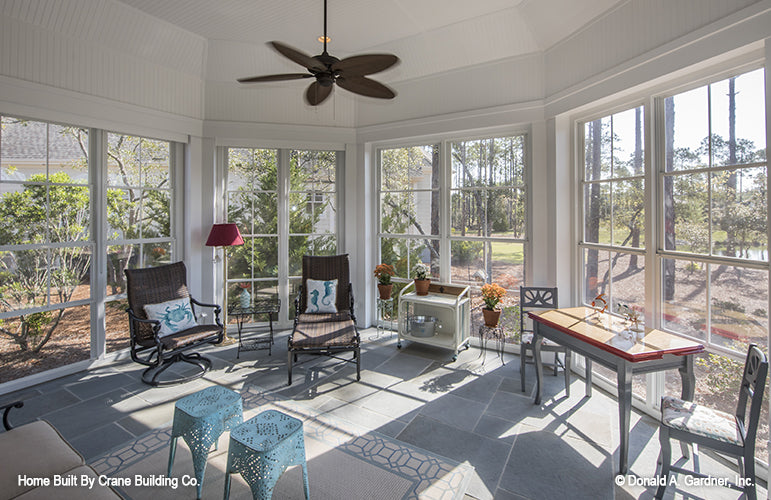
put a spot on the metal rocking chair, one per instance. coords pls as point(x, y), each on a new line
point(153, 286)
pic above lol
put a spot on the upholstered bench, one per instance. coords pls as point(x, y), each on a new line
point(35, 452)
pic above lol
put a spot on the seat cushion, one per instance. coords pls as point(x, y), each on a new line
point(700, 420)
point(189, 336)
point(319, 334)
point(323, 317)
point(78, 492)
point(36, 450)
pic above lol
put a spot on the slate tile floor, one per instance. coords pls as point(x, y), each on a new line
point(469, 410)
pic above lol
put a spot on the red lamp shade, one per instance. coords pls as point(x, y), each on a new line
point(224, 235)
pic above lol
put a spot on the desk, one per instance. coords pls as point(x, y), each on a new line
point(267, 306)
point(596, 336)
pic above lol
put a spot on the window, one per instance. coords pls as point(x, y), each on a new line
point(613, 197)
point(409, 209)
point(484, 184)
point(271, 258)
point(708, 267)
point(139, 232)
point(45, 246)
point(714, 195)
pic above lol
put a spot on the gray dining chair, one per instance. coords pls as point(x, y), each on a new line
point(729, 434)
point(537, 297)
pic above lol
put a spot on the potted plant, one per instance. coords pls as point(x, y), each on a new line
point(492, 293)
point(420, 273)
point(383, 273)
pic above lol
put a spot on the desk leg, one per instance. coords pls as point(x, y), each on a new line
point(588, 376)
point(688, 382)
point(624, 379)
point(537, 340)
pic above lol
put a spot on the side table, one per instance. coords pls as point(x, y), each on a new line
point(262, 448)
point(200, 419)
point(260, 306)
point(385, 309)
point(495, 332)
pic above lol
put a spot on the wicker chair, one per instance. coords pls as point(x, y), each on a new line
point(327, 334)
point(153, 286)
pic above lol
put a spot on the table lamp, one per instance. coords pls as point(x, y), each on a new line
point(224, 235)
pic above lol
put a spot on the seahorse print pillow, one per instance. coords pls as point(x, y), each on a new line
point(322, 296)
point(174, 315)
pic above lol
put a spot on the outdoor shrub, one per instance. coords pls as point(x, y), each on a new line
point(464, 252)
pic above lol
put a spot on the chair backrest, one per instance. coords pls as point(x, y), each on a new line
point(752, 388)
point(534, 297)
point(328, 267)
point(153, 285)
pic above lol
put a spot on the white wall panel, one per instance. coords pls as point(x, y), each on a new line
point(39, 55)
point(632, 29)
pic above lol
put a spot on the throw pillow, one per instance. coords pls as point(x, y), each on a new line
point(174, 315)
point(322, 296)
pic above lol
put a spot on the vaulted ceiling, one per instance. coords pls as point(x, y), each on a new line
point(430, 36)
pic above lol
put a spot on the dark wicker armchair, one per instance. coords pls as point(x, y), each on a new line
point(325, 333)
point(153, 286)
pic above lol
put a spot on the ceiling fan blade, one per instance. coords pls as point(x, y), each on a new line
point(364, 86)
point(365, 64)
point(297, 56)
point(317, 93)
point(274, 78)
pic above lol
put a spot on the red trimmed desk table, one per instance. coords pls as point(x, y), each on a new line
point(604, 339)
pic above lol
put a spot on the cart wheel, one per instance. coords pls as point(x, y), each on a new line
point(455, 357)
point(398, 345)
point(468, 345)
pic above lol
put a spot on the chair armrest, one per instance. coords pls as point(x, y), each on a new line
point(216, 307)
point(156, 324)
point(297, 307)
point(6, 410)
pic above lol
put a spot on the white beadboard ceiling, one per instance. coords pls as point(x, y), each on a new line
point(430, 36)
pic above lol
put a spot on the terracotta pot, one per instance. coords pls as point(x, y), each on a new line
point(421, 287)
point(491, 317)
point(385, 291)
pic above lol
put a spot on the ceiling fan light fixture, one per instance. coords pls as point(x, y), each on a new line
point(322, 37)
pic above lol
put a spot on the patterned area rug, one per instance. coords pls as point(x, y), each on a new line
point(344, 461)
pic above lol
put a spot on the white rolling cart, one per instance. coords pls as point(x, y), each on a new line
point(442, 318)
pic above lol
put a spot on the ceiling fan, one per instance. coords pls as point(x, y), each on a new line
point(349, 73)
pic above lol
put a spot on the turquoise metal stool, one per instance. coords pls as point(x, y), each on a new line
point(200, 419)
point(262, 448)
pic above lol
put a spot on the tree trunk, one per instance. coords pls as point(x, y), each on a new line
point(669, 198)
point(638, 169)
point(594, 161)
point(729, 225)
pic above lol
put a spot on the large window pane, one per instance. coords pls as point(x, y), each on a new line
point(36, 342)
point(739, 309)
point(409, 168)
point(687, 223)
point(739, 225)
point(597, 213)
point(687, 129)
point(684, 293)
point(629, 213)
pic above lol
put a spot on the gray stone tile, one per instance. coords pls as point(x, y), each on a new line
point(39, 406)
point(496, 428)
point(452, 410)
point(147, 419)
point(98, 441)
point(404, 366)
point(545, 465)
point(393, 405)
point(99, 382)
point(486, 455)
point(480, 388)
point(501, 494)
point(363, 417)
point(86, 416)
